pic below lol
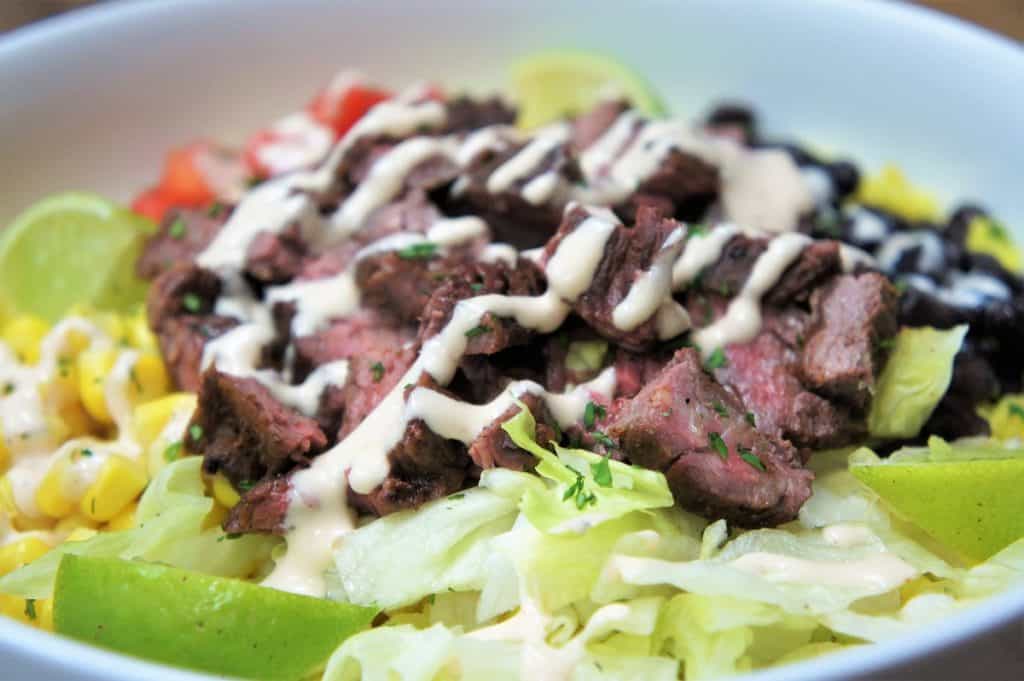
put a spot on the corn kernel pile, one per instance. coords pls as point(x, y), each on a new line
point(87, 419)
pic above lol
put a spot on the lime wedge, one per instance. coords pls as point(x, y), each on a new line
point(71, 248)
point(186, 619)
point(972, 506)
point(552, 85)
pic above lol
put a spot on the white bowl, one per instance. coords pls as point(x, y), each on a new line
point(92, 100)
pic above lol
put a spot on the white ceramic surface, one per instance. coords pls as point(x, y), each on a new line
point(93, 99)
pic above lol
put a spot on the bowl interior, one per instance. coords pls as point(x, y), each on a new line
point(92, 100)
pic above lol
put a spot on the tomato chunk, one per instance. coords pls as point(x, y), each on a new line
point(341, 110)
point(151, 204)
point(183, 182)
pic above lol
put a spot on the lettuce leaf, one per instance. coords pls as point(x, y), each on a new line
point(171, 516)
point(584, 489)
point(915, 378)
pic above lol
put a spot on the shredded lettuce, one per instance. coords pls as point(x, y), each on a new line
point(171, 517)
point(915, 378)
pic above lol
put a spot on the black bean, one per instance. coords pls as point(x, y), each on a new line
point(845, 177)
point(735, 115)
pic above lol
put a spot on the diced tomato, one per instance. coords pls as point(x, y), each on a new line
point(183, 183)
point(152, 204)
point(251, 154)
point(341, 110)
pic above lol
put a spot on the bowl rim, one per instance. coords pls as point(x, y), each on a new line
point(45, 648)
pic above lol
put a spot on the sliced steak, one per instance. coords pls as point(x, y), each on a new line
point(685, 180)
point(275, 258)
point(424, 466)
point(678, 422)
point(588, 127)
point(493, 448)
point(183, 234)
point(629, 252)
point(465, 113)
point(365, 334)
point(845, 351)
point(263, 509)
point(180, 311)
point(370, 378)
point(247, 434)
point(400, 286)
point(492, 334)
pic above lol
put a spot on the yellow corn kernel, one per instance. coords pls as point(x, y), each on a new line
point(5, 452)
point(50, 496)
point(93, 367)
point(150, 418)
point(1007, 418)
point(24, 334)
point(81, 534)
point(224, 492)
point(21, 552)
point(125, 520)
point(120, 481)
point(148, 378)
point(76, 420)
point(985, 235)
point(44, 614)
point(19, 608)
point(73, 523)
point(215, 518)
point(139, 333)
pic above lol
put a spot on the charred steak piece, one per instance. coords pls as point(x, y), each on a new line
point(183, 234)
point(180, 312)
point(493, 448)
point(262, 509)
point(695, 431)
point(364, 334)
point(247, 434)
point(845, 350)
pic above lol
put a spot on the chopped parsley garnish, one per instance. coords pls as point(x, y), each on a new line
point(30, 608)
point(751, 458)
point(577, 491)
point(8, 388)
point(699, 229)
point(191, 302)
point(92, 506)
point(591, 413)
point(377, 369)
point(63, 364)
point(717, 359)
point(178, 229)
point(900, 286)
point(718, 444)
point(476, 287)
point(420, 251)
point(456, 497)
point(477, 331)
point(246, 485)
point(604, 439)
point(1016, 410)
point(135, 380)
point(195, 431)
point(751, 419)
point(887, 343)
point(173, 451)
point(719, 408)
point(602, 472)
point(229, 535)
point(215, 209)
point(86, 452)
point(431, 598)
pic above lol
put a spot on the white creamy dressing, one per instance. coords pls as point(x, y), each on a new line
point(880, 571)
point(504, 253)
point(597, 158)
point(296, 142)
point(528, 159)
point(651, 288)
point(764, 189)
point(742, 319)
point(702, 250)
point(571, 267)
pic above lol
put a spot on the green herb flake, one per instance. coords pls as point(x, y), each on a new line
point(720, 408)
point(1016, 410)
point(191, 302)
point(901, 287)
point(8, 388)
point(246, 485)
point(602, 472)
point(577, 492)
point(699, 229)
point(135, 380)
point(86, 452)
point(173, 451)
point(92, 506)
point(887, 344)
point(30, 608)
point(215, 209)
point(377, 369)
point(591, 413)
point(478, 331)
point(195, 431)
point(421, 251)
point(178, 229)
point(431, 598)
point(456, 497)
point(751, 458)
point(718, 444)
point(751, 419)
point(476, 287)
point(230, 536)
point(717, 359)
point(603, 439)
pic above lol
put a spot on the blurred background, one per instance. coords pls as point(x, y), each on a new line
point(1002, 16)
